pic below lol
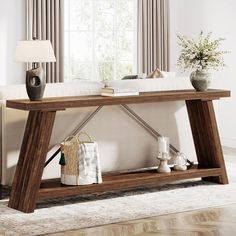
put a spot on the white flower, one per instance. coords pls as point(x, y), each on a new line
point(200, 54)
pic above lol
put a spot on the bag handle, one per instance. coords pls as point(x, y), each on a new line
point(62, 160)
point(71, 137)
point(83, 133)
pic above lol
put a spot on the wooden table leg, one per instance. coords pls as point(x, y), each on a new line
point(31, 161)
point(206, 138)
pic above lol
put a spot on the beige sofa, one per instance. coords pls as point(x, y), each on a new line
point(123, 144)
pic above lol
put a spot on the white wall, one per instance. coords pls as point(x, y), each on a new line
point(12, 29)
point(189, 17)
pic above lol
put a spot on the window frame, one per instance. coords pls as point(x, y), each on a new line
point(95, 61)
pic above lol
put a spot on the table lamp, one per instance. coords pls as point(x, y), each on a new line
point(35, 51)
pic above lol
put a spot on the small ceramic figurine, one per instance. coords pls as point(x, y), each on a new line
point(163, 166)
point(180, 162)
point(163, 154)
point(155, 74)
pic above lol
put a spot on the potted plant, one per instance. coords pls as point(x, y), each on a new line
point(200, 56)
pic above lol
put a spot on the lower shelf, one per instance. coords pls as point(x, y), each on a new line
point(53, 189)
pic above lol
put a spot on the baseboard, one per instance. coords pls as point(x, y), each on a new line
point(228, 142)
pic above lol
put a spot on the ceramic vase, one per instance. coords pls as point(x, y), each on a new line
point(200, 79)
point(35, 84)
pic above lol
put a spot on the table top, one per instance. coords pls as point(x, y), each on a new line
point(61, 103)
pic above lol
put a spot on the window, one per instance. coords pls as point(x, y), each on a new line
point(100, 39)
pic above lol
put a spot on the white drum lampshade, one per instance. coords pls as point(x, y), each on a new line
point(35, 51)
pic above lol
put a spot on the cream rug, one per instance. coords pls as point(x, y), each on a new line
point(87, 211)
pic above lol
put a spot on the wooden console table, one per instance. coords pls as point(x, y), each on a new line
point(27, 187)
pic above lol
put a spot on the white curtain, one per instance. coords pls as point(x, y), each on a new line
point(44, 19)
point(153, 35)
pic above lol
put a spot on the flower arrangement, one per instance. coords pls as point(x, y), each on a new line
point(201, 54)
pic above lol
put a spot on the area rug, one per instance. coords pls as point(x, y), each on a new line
point(93, 210)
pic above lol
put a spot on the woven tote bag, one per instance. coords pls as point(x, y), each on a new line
point(80, 164)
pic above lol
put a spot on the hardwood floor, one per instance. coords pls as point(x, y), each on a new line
point(211, 221)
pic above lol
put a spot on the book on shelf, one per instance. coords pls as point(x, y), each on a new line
point(115, 92)
point(118, 90)
point(120, 94)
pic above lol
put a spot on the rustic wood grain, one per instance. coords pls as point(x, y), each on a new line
point(59, 103)
point(206, 137)
point(52, 189)
point(31, 161)
point(26, 184)
point(213, 221)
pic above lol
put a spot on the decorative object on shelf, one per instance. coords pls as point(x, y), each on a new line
point(200, 79)
point(79, 161)
point(119, 91)
point(35, 51)
point(62, 160)
point(156, 74)
point(130, 77)
point(200, 56)
point(163, 154)
point(180, 162)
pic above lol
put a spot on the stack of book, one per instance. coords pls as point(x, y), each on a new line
point(115, 92)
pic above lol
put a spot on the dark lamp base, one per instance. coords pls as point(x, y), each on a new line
point(35, 84)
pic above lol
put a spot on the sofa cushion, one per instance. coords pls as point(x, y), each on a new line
point(81, 87)
point(145, 85)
